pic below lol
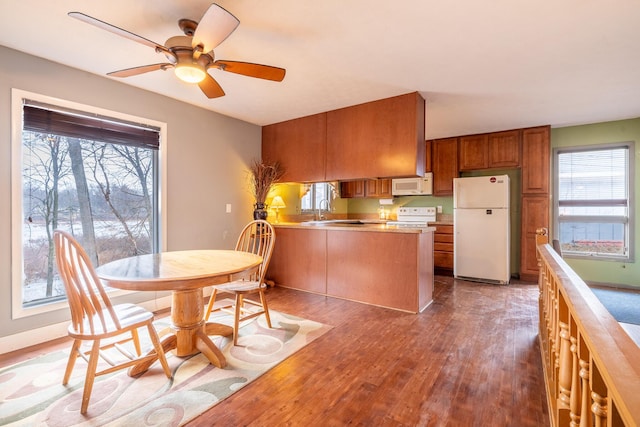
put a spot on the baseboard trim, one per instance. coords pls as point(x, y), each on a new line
point(58, 330)
point(613, 286)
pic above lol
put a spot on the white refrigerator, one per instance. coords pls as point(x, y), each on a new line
point(481, 229)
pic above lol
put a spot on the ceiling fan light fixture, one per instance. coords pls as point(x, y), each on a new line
point(191, 55)
point(190, 73)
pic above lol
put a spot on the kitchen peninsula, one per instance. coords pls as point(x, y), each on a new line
point(372, 263)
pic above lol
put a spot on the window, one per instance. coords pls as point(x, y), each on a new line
point(93, 175)
point(594, 201)
point(317, 197)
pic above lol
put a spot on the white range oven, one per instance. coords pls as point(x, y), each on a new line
point(414, 217)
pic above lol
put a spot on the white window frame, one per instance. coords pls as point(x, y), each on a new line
point(312, 194)
point(629, 221)
point(17, 99)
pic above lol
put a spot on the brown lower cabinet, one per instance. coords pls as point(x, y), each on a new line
point(535, 214)
point(388, 269)
point(299, 259)
point(443, 248)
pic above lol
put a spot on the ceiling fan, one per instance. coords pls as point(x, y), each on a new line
point(191, 55)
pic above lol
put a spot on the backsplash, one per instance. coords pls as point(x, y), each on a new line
point(371, 206)
point(364, 208)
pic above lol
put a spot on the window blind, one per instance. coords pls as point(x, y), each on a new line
point(595, 177)
point(40, 119)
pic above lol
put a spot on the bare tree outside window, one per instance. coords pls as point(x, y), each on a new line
point(100, 191)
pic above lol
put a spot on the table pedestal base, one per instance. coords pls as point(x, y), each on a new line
point(189, 333)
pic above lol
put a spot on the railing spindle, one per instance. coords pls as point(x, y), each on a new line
point(599, 409)
point(585, 401)
point(575, 384)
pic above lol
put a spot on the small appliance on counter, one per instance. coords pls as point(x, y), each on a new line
point(383, 212)
point(414, 217)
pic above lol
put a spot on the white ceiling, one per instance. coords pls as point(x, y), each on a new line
point(481, 65)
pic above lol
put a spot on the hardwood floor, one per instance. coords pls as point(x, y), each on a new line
point(470, 359)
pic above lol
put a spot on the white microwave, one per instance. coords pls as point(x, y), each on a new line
point(421, 186)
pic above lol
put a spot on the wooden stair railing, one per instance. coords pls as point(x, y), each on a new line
point(591, 365)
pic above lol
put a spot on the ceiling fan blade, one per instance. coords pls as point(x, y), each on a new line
point(128, 72)
point(210, 87)
point(260, 71)
point(215, 26)
point(117, 30)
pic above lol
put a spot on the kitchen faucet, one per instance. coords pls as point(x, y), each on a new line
point(320, 214)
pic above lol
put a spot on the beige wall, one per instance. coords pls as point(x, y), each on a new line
point(207, 157)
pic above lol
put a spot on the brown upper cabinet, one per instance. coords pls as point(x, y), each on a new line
point(489, 150)
point(352, 189)
point(535, 160)
point(428, 164)
point(504, 149)
point(473, 152)
point(373, 188)
point(299, 146)
point(380, 139)
point(378, 188)
point(445, 165)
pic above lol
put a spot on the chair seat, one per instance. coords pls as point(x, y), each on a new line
point(240, 286)
point(257, 237)
point(130, 316)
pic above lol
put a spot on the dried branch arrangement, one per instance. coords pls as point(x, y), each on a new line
point(263, 176)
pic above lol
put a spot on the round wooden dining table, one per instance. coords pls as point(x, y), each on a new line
point(185, 274)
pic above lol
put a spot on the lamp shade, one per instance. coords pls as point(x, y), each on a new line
point(277, 203)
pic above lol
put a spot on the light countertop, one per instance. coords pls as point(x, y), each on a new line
point(364, 226)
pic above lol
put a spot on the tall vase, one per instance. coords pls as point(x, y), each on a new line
point(260, 211)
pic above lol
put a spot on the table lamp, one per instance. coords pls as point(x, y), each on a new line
point(276, 204)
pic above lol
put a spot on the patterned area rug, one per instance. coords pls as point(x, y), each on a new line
point(31, 393)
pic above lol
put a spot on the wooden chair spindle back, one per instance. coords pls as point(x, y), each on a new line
point(88, 301)
point(258, 237)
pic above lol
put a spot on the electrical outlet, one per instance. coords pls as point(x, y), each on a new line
point(228, 209)
point(439, 209)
